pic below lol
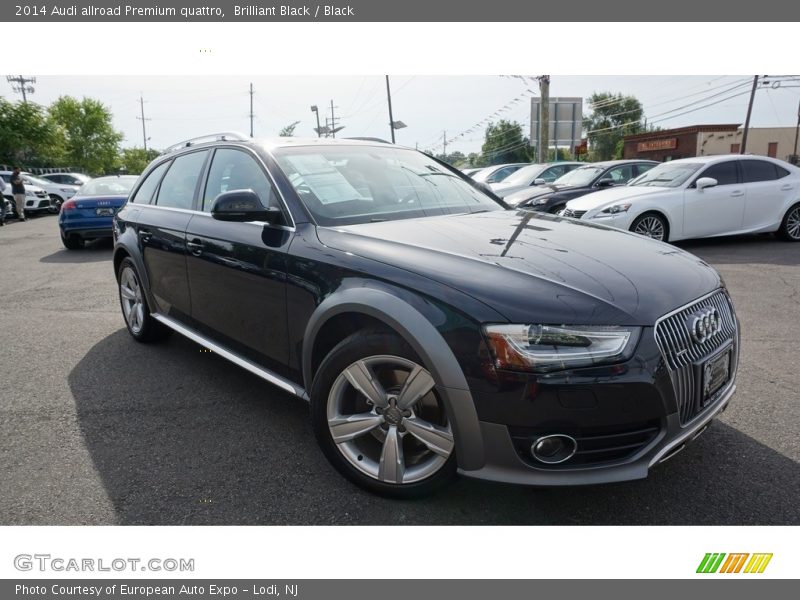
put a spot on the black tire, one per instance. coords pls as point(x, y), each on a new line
point(651, 222)
point(376, 345)
point(55, 203)
point(72, 241)
point(790, 226)
point(143, 327)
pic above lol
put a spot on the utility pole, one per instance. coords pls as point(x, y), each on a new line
point(796, 134)
point(444, 143)
point(333, 121)
point(544, 117)
point(389, 98)
point(251, 110)
point(22, 86)
point(142, 119)
point(749, 112)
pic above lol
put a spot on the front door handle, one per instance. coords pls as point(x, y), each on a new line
point(195, 247)
point(786, 187)
point(737, 193)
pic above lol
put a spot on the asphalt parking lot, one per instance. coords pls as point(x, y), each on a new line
point(97, 429)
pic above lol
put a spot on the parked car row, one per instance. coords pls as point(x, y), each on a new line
point(701, 197)
point(44, 193)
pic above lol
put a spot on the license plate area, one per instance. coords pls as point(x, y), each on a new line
point(104, 212)
point(714, 374)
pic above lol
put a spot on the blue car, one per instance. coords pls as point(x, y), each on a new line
point(88, 215)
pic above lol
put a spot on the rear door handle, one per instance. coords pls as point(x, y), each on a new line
point(195, 247)
point(737, 193)
point(786, 187)
point(145, 235)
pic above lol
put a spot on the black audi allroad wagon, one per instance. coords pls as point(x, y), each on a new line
point(433, 330)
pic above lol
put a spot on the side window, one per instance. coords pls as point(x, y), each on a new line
point(177, 187)
point(236, 170)
point(644, 168)
point(500, 174)
point(620, 175)
point(758, 170)
point(552, 174)
point(725, 173)
point(144, 195)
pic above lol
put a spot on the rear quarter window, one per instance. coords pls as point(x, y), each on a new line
point(144, 195)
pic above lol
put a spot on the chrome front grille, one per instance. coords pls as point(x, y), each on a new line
point(574, 214)
point(683, 354)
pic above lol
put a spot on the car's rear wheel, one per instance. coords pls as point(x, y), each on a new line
point(379, 419)
point(651, 225)
point(790, 226)
point(141, 324)
point(72, 241)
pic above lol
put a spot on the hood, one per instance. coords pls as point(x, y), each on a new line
point(532, 267)
point(504, 189)
point(527, 193)
point(610, 195)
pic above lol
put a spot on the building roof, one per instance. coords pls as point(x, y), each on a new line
point(681, 130)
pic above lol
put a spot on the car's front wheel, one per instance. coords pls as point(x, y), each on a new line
point(790, 226)
point(651, 225)
point(379, 419)
point(141, 324)
point(55, 203)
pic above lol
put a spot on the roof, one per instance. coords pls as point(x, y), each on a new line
point(681, 130)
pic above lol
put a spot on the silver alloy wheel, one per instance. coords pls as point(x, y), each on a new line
point(385, 418)
point(132, 302)
point(651, 227)
point(793, 224)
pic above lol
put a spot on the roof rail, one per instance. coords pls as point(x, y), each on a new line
point(367, 139)
point(225, 136)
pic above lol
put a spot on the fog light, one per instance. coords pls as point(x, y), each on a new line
point(554, 449)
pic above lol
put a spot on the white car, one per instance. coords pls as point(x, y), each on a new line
point(36, 199)
point(701, 197)
point(58, 192)
point(535, 174)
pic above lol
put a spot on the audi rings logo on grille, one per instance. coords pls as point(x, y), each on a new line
point(704, 324)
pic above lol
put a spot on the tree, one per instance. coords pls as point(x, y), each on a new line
point(613, 117)
point(90, 141)
point(26, 135)
point(134, 160)
point(456, 159)
point(288, 131)
point(504, 143)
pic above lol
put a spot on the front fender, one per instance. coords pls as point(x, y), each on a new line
point(429, 345)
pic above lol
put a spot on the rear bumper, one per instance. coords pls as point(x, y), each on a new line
point(88, 233)
point(503, 463)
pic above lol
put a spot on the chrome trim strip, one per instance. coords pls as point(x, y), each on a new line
point(687, 434)
point(240, 361)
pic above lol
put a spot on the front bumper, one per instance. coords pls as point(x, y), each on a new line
point(503, 463)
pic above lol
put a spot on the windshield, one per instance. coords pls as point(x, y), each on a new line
point(346, 185)
point(108, 186)
point(668, 175)
point(524, 176)
point(579, 177)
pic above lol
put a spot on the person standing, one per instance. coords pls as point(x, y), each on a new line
point(18, 190)
point(2, 202)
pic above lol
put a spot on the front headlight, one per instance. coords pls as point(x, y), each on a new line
point(545, 348)
point(616, 209)
point(540, 201)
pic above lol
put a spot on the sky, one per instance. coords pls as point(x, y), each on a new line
point(183, 107)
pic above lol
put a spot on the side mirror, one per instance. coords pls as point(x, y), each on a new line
point(242, 206)
point(705, 182)
point(604, 183)
point(539, 181)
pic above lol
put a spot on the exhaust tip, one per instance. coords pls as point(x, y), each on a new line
point(554, 449)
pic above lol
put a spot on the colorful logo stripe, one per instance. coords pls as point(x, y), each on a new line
point(713, 562)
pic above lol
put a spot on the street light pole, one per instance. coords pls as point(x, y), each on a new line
point(389, 98)
point(315, 110)
point(796, 134)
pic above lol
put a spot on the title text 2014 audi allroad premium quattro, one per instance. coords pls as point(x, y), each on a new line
point(433, 330)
